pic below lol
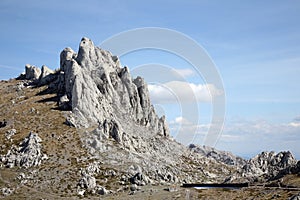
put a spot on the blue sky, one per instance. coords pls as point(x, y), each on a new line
point(254, 44)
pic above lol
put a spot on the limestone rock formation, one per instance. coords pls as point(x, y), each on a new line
point(220, 156)
point(27, 154)
point(32, 72)
point(99, 91)
point(268, 164)
point(47, 75)
point(123, 143)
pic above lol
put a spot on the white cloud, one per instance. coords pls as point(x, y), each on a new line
point(246, 137)
point(184, 72)
point(179, 91)
point(181, 120)
point(294, 124)
point(186, 131)
point(243, 137)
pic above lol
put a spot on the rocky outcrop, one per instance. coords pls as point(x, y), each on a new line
point(27, 154)
point(268, 164)
point(47, 76)
point(88, 183)
point(225, 157)
point(100, 91)
point(263, 167)
point(38, 77)
point(119, 127)
point(45, 72)
point(32, 72)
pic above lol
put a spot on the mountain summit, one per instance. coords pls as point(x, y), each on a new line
point(93, 131)
point(98, 90)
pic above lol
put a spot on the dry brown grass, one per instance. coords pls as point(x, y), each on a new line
point(27, 111)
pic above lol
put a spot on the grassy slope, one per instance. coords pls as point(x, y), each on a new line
point(27, 111)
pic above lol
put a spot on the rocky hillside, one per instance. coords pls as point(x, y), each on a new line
point(89, 129)
point(268, 165)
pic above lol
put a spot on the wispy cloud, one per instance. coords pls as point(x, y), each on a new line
point(11, 67)
point(243, 137)
point(186, 131)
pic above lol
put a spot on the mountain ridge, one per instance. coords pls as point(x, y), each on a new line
point(106, 117)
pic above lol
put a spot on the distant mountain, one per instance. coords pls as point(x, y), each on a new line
point(221, 156)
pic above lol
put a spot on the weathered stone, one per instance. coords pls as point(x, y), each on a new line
point(125, 133)
point(87, 180)
point(10, 133)
point(99, 91)
point(269, 164)
point(32, 72)
point(47, 76)
point(28, 153)
point(81, 192)
point(221, 156)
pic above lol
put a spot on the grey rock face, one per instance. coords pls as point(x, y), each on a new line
point(47, 75)
point(221, 156)
point(32, 72)
point(28, 154)
point(268, 164)
point(125, 133)
point(45, 72)
point(37, 76)
point(100, 91)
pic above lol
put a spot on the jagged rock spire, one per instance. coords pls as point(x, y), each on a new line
point(99, 90)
